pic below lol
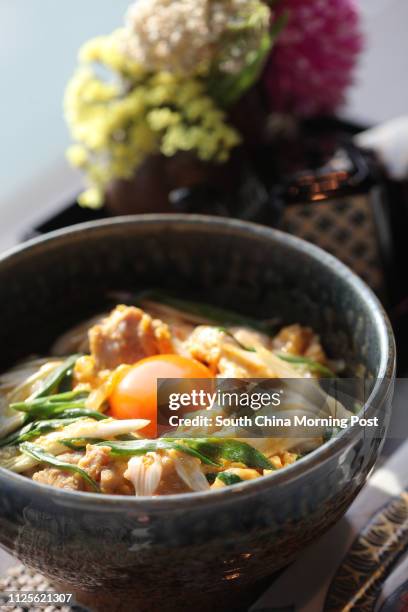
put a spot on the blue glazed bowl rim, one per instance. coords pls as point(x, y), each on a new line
point(382, 388)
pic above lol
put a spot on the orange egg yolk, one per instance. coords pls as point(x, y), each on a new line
point(135, 395)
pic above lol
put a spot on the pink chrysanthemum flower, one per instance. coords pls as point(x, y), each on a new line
point(312, 62)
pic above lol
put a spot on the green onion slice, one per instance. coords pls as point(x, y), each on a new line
point(228, 478)
point(232, 450)
point(35, 429)
point(130, 448)
point(52, 382)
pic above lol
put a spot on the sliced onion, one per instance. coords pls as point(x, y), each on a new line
point(189, 470)
point(145, 473)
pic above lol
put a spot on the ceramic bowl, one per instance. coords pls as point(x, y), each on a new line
point(190, 551)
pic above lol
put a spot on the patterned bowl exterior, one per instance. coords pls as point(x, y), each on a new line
point(158, 554)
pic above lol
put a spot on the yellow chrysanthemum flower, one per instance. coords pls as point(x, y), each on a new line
point(162, 118)
point(117, 123)
point(91, 198)
point(77, 155)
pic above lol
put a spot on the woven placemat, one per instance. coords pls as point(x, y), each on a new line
point(22, 579)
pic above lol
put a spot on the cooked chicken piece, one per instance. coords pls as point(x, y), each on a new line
point(71, 457)
point(250, 338)
point(127, 335)
point(95, 459)
point(223, 354)
point(228, 368)
point(238, 363)
point(60, 479)
point(298, 340)
point(113, 479)
point(204, 344)
point(106, 470)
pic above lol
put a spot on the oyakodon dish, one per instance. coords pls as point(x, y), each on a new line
point(86, 422)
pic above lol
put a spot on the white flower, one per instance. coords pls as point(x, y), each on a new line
point(186, 36)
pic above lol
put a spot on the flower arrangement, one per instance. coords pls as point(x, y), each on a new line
point(166, 83)
point(177, 66)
